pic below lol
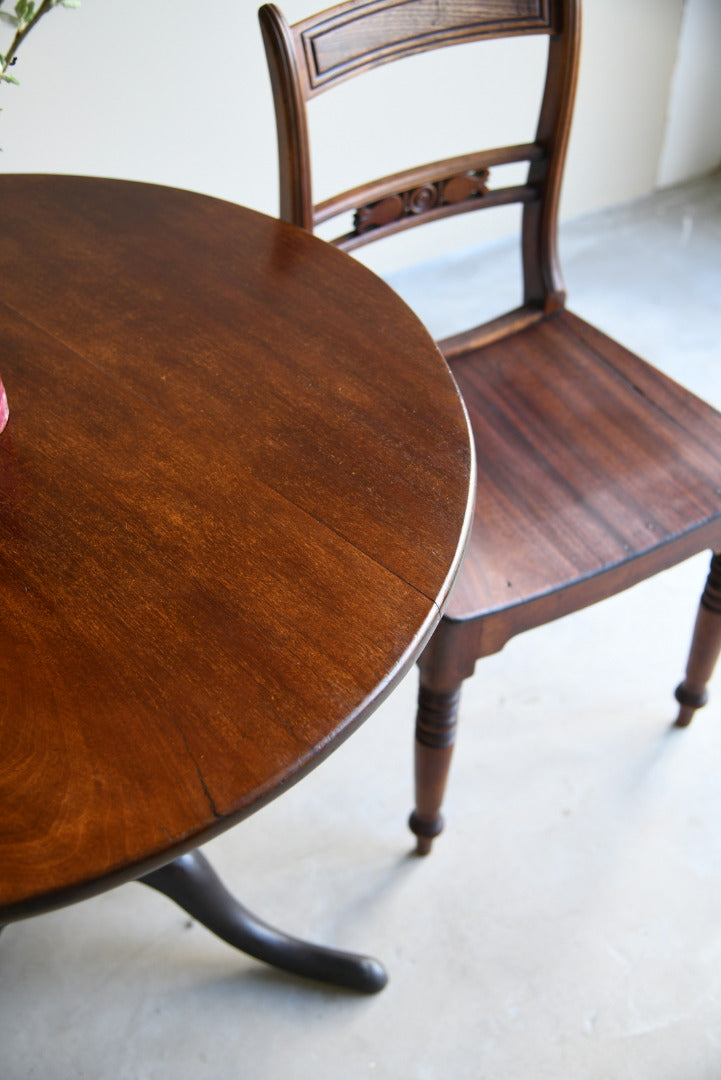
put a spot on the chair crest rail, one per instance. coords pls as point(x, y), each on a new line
point(361, 36)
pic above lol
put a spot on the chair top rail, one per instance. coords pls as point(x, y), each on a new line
point(345, 40)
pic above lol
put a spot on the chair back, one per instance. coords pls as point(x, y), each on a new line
point(314, 55)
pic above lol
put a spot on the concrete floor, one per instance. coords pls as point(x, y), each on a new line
point(568, 923)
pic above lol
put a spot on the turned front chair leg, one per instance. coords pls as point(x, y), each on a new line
point(705, 648)
point(435, 737)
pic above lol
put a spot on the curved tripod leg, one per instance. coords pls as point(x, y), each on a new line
point(193, 884)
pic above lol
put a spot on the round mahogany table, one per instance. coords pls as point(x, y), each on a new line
point(234, 493)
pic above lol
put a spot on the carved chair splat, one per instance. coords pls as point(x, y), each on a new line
point(595, 471)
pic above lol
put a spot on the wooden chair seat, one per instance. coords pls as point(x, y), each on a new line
point(591, 463)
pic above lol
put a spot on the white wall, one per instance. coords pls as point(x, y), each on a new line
point(176, 92)
point(693, 134)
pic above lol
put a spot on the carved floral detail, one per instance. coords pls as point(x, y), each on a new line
point(420, 200)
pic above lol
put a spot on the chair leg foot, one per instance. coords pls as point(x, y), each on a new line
point(193, 884)
point(425, 832)
point(688, 704)
point(705, 648)
point(435, 737)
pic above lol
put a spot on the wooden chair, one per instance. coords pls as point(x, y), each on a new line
point(595, 471)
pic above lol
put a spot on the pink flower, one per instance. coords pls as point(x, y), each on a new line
point(4, 413)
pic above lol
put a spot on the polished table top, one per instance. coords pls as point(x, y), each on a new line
point(234, 490)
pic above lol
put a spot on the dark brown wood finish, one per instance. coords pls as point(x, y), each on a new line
point(233, 494)
point(594, 470)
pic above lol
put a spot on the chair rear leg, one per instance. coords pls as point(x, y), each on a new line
point(705, 648)
point(435, 737)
